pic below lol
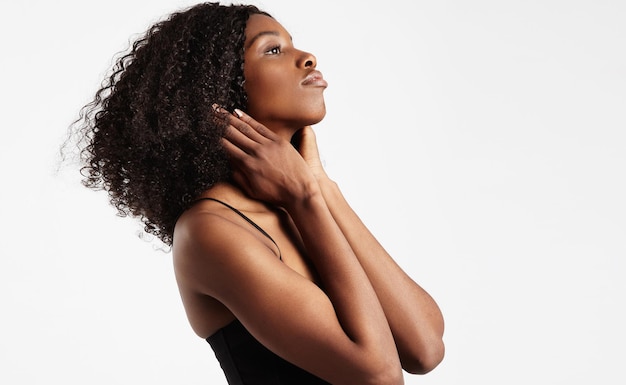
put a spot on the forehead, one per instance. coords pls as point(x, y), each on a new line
point(260, 24)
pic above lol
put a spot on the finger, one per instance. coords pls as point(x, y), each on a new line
point(233, 121)
point(234, 152)
point(238, 138)
point(244, 128)
point(258, 127)
point(307, 135)
point(308, 142)
point(220, 111)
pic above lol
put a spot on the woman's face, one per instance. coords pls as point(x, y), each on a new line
point(284, 89)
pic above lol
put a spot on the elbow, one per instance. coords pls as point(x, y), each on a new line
point(425, 360)
point(391, 376)
point(385, 371)
point(394, 376)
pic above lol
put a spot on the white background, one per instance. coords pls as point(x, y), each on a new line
point(482, 142)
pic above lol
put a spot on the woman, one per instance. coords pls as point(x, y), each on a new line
point(275, 269)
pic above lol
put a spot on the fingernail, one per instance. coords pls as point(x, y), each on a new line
point(238, 112)
point(217, 108)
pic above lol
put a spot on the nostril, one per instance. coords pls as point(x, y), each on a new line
point(308, 63)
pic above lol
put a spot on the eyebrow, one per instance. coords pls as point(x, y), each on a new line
point(262, 33)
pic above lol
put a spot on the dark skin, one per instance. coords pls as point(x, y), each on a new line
point(336, 290)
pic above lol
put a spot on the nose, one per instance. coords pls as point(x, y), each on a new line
point(307, 60)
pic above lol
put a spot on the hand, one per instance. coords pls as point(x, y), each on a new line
point(304, 140)
point(266, 166)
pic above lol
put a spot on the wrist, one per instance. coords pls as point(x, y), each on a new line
point(330, 190)
point(326, 183)
point(309, 197)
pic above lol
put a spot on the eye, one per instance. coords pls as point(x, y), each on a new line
point(273, 51)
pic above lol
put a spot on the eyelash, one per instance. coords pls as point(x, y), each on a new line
point(275, 48)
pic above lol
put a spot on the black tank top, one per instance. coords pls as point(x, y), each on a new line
point(244, 360)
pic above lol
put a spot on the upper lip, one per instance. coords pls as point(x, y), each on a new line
point(314, 78)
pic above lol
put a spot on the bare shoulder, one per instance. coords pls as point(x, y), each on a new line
point(218, 255)
point(209, 239)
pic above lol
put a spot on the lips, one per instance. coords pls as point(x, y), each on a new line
point(315, 79)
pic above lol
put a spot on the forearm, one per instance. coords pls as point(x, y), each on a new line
point(414, 317)
point(342, 276)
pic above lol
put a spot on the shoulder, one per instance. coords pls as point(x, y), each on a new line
point(207, 224)
point(212, 242)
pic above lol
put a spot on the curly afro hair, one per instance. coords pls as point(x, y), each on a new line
point(151, 138)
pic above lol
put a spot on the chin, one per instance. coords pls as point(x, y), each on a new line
point(291, 122)
point(304, 118)
point(315, 115)
point(316, 119)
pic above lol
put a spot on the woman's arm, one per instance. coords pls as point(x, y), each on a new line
point(414, 317)
point(340, 334)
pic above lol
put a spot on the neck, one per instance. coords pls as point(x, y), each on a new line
point(284, 130)
point(232, 194)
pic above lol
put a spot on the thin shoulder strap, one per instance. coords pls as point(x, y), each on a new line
point(250, 221)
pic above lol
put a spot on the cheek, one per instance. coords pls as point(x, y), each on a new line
point(274, 94)
point(266, 88)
